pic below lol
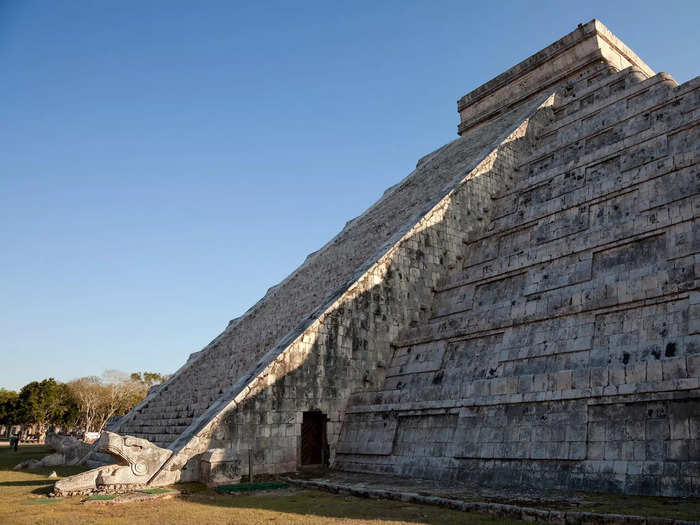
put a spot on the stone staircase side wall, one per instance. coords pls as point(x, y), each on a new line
point(348, 347)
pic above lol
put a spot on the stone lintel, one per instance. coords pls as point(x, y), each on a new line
point(589, 44)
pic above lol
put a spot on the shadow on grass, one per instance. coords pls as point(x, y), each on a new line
point(46, 488)
point(319, 505)
point(301, 506)
point(9, 458)
point(25, 483)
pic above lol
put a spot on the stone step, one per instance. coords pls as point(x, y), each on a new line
point(573, 97)
point(634, 99)
point(160, 440)
point(179, 425)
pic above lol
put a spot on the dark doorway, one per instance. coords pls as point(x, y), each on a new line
point(314, 445)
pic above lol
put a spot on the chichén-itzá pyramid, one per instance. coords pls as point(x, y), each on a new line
point(523, 308)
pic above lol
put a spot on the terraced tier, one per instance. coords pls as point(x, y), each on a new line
point(565, 351)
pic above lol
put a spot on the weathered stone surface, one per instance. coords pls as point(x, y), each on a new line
point(138, 460)
point(28, 464)
point(71, 449)
point(51, 460)
point(591, 43)
point(223, 465)
point(569, 329)
point(522, 308)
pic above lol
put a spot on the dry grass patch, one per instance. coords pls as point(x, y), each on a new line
point(23, 500)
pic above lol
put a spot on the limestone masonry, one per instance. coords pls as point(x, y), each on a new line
point(522, 309)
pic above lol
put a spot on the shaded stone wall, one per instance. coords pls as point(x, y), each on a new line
point(348, 348)
point(213, 375)
point(565, 351)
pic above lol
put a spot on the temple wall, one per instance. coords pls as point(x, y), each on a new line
point(349, 348)
point(565, 352)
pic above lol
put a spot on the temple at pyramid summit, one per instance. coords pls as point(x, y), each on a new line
point(522, 309)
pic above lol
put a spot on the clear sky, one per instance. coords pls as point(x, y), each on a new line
point(163, 163)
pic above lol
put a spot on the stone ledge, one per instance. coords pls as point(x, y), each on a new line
point(431, 333)
point(589, 43)
point(472, 117)
point(492, 509)
point(647, 391)
point(575, 119)
point(632, 91)
point(540, 256)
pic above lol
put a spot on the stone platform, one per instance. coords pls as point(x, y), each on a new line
point(524, 307)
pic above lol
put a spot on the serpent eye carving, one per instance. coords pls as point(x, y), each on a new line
point(139, 469)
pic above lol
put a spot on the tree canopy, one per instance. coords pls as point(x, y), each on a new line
point(86, 403)
point(46, 403)
point(8, 406)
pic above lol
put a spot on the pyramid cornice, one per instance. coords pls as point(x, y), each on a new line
point(589, 44)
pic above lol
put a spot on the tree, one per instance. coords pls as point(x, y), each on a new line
point(149, 378)
point(88, 402)
point(8, 407)
point(153, 378)
point(89, 394)
point(46, 403)
point(114, 394)
point(121, 398)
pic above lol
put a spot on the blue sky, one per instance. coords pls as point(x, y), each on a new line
point(162, 164)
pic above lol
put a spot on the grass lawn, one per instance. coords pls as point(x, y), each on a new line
point(23, 499)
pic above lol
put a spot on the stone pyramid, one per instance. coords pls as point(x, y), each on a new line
point(522, 308)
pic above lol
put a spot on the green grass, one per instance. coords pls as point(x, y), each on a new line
point(101, 497)
point(154, 491)
point(249, 487)
point(674, 508)
point(204, 506)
